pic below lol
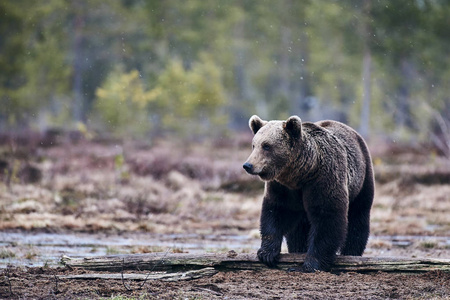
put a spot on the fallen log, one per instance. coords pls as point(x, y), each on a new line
point(189, 275)
point(176, 262)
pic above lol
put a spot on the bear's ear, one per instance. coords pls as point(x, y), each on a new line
point(256, 123)
point(293, 126)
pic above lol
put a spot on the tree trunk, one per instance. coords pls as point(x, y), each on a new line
point(176, 262)
point(78, 101)
point(403, 115)
point(306, 103)
point(365, 109)
point(285, 64)
point(366, 73)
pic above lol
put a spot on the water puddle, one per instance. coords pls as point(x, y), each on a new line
point(46, 249)
point(40, 249)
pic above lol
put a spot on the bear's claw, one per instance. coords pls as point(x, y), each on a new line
point(269, 258)
point(312, 264)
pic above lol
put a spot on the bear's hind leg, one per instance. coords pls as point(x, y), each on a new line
point(359, 222)
point(297, 238)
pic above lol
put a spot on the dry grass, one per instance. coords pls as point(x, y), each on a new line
point(173, 188)
point(202, 190)
point(166, 190)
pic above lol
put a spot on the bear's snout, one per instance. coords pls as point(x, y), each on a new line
point(248, 167)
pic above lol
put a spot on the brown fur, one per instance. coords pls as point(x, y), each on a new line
point(319, 189)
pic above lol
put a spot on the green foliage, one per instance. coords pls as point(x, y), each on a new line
point(110, 250)
point(336, 59)
point(120, 168)
point(429, 245)
point(190, 102)
point(208, 65)
point(35, 58)
point(6, 253)
point(142, 296)
point(121, 102)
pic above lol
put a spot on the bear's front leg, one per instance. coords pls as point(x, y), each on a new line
point(271, 233)
point(328, 218)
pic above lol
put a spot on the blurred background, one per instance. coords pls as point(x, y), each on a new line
point(200, 68)
point(131, 116)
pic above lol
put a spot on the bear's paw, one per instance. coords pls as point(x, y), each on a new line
point(269, 257)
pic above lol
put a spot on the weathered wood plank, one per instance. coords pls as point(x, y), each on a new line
point(189, 275)
point(175, 262)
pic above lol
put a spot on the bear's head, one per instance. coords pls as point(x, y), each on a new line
point(273, 146)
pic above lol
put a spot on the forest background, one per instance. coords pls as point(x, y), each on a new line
point(124, 126)
point(196, 69)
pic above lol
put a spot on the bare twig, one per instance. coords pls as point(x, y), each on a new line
point(121, 275)
point(208, 290)
point(9, 281)
point(56, 284)
point(445, 129)
point(148, 274)
point(441, 142)
point(161, 260)
point(177, 276)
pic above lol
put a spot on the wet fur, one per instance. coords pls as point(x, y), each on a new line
point(319, 190)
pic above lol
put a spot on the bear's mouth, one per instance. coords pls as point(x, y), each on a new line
point(265, 175)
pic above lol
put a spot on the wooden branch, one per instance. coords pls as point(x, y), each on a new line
point(189, 275)
point(176, 262)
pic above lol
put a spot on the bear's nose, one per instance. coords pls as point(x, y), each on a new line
point(248, 167)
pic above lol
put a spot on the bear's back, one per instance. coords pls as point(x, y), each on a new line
point(335, 127)
point(358, 157)
point(344, 133)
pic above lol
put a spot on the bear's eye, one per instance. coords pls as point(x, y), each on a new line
point(253, 146)
point(266, 147)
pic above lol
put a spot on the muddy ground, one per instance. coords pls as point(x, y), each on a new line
point(162, 196)
point(39, 283)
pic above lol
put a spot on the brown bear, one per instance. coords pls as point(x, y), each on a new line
point(319, 189)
